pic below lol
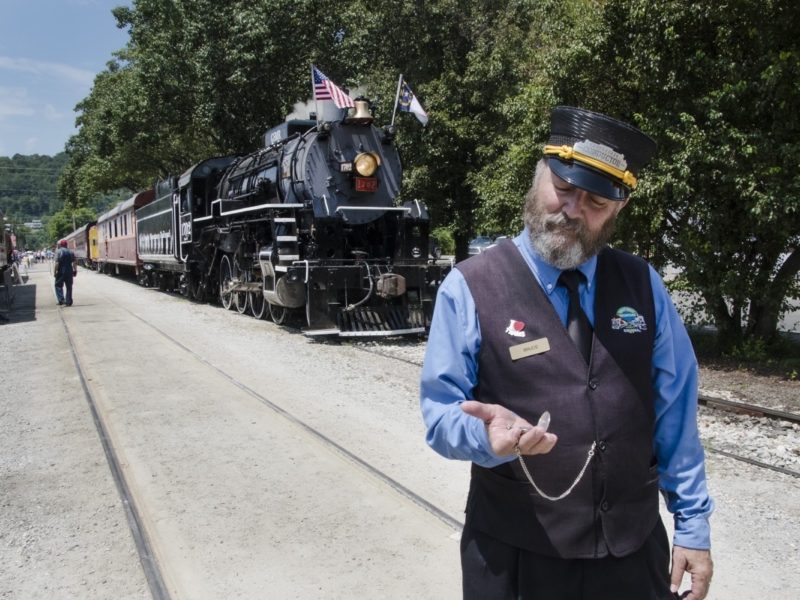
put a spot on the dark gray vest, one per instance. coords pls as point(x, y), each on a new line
point(615, 506)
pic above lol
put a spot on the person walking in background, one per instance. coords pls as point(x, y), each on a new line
point(561, 369)
point(64, 270)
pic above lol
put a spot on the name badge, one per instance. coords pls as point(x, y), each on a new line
point(529, 348)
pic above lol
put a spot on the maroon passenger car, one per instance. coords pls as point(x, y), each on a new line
point(116, 236)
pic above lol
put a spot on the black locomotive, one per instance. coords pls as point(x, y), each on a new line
point(305, 226)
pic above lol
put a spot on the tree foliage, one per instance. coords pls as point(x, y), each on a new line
point(28, 185)
point(715, 83)
point(67, 220)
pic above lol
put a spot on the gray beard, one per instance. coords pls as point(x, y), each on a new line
point(563, 242)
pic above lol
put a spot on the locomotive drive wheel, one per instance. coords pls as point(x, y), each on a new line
point(257, 305)
point(279, 314)
point(225, 282)
point(240, 298)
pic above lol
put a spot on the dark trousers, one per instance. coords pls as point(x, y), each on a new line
point(492, 570)
point(67, 283)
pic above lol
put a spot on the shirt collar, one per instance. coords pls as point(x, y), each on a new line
point(546, 273)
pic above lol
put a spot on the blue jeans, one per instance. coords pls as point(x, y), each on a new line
point(64, 282)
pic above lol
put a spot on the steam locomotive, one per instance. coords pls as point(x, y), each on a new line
point(306, 227)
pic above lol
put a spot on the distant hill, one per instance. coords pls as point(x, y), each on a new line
point(28, 188)
point(28, 185)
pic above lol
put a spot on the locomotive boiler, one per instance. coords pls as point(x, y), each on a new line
point(306, 227)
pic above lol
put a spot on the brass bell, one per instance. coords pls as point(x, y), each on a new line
point(360, 115)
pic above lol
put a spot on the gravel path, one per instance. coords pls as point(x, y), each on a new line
point(363, 402)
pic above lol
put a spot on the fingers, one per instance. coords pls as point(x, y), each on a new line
point(503, 427)
point(536, 441)
point(696, 562)
point(507, 431)
point(678, 569)
point(484, 412)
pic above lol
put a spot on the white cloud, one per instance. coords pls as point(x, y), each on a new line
point(14, 103)
point(31, 145)
point(41, 68)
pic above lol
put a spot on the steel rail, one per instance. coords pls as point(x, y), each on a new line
point(738, 407)
point(752, 461)
point(144, 548)
point(747, 409)
point(398, 487)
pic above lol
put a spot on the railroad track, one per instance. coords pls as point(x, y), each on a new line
point(144, 546)
point(743, 408)
point(154, 572)
point(711, 403)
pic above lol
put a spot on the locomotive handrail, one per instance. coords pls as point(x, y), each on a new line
point(259, 207)
point(396, 208)
point(158, 214)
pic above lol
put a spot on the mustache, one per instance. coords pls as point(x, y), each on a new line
point(561, 221)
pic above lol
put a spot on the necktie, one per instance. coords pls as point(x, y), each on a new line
point(578, 326)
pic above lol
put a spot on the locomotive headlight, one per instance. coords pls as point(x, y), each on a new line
point(366, 164)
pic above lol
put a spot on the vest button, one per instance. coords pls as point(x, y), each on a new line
point(604, 505)
point(593, 384)
point(602, 446)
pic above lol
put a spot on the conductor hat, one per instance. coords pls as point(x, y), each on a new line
point(595, 152)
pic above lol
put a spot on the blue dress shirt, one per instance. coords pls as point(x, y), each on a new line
point(450, 373)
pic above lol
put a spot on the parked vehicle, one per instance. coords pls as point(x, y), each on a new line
point(479, 244)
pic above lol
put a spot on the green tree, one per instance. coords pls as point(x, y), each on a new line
point(65, 221)
point(28, 185)
point(197, 78)
point(718, 86)
point(464, 59)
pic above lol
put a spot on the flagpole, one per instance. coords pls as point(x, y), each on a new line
point(397, 97)
point(314, 93)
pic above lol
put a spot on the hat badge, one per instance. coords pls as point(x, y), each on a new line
point(515, 328)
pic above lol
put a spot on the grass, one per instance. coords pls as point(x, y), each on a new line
point(781, 358)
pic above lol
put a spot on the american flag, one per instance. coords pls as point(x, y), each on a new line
point(325, 89)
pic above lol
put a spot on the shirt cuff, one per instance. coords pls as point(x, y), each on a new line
point(694, 533)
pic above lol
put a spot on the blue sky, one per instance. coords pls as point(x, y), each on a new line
point(50, 52)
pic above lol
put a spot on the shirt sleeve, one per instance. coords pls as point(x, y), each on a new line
point(449, 376)
point(677, 441)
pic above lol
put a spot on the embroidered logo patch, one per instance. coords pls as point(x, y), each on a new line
point(515, 328)
point(628, 321)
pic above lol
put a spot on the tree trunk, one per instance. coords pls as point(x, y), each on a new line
point(729, 327)
point(764, 314)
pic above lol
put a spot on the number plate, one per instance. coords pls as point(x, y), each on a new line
point(366, 184)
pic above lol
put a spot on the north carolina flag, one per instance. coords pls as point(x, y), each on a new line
point(325, 89)
point(408, 103)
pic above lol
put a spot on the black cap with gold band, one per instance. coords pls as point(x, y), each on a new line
point(595, 152)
